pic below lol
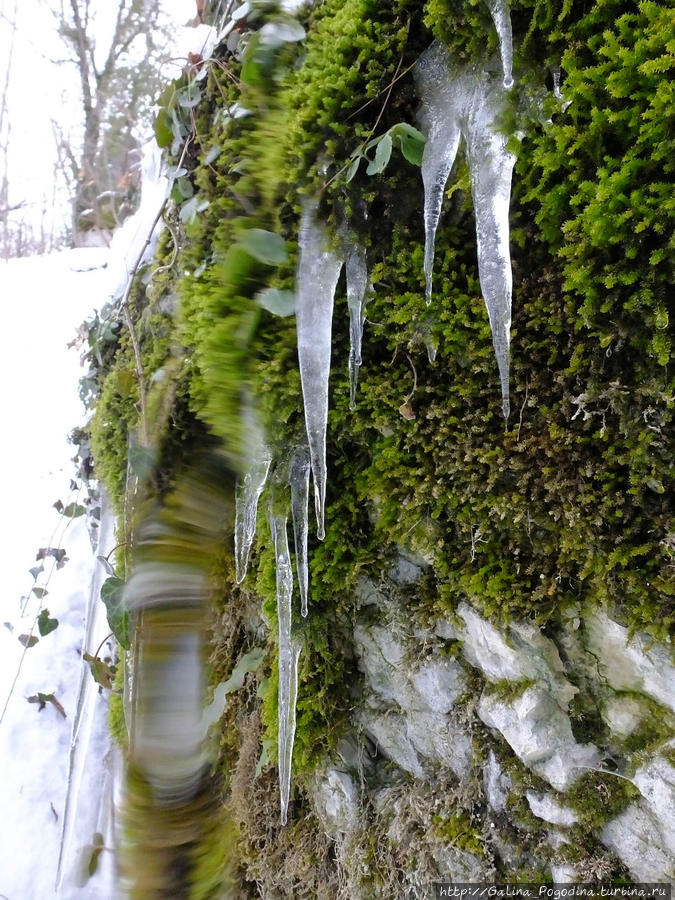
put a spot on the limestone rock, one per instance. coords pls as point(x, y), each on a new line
point(540, 735)
point(656, 782)
point(337, 802)
point(635, 838)
point(496, 783)
point(546, 807)
point(521, 654)
point(622, 715)
point(637, 664)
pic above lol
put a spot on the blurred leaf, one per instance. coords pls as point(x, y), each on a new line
point(73, 511)
point(28, 640)
point(265, 246)
point(102, 673)
point(57, 553)
point(265, 756)
point(39, 592)
point(279, 303)
point(112, 591)
point(36, 570)
point(163, 130)
point(44, 699)
point(142, 460)
point(106, 564)
point(46, 624)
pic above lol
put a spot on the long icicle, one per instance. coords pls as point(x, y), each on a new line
point(317, 277)
point(465, 100)
point(289, 654)
point(299, 479)
point(246, 499)
point(356, 269)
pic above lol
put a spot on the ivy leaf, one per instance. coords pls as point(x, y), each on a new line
point(44, 699)
point(353, 168)
point(411, 142)
point(118, 616)
point(279, 303)
point(105, 562)
point(382, 155)
point(45, 624)
point(142, 460)
point(73, 511)
point(39, 592)
point(36, 570)
point(56, 552)
point(102, 673)
point(163, 130)
point(265, 246)
point(28, 640)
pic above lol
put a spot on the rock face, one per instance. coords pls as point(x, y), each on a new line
point(540, 735)
point(422, 713)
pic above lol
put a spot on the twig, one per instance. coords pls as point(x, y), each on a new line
point(522, 409)
point(106, 638)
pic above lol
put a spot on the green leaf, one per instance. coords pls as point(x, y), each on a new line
point(163, 129)
point(45, 624)
point(279, 303)
point(73, 511)
point(411, 142)
point(265, 246)
point(249, 662)
point(382, 155)
point(105, 562)
point(265, 756)
point(142, 460)
point(118, 616)
point(102, 673)
point(353, 168)
point(189, 97)
point(44, 699)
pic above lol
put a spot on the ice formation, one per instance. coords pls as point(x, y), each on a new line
point(299, 505)
point(289, 653)
point(317, 277)
point(247, 495)
point(357, 289)
point(501, 16)
point(467, 101)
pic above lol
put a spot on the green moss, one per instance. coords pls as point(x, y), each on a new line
point(598, 797)
point(459, 830)
point(116, 721)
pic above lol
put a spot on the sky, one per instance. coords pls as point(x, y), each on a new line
point(44, 300)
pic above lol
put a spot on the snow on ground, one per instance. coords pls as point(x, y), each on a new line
point(45, 298)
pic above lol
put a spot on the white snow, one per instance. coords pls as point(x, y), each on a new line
point(467, 101)
point(45, 299)
point(317, 277)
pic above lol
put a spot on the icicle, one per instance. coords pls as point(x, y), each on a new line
point(289, 653)
point(491, 167)
point(501, 16)
point(357, 288)
point(557, 93)
point(246, 499)
point(442, 102)
point(299, 506)
point(318, 272)
point(466, 101)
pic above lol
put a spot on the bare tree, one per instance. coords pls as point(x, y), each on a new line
point(118, 76)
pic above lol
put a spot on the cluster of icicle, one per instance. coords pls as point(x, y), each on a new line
point(318, 273)
point(457, 101)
